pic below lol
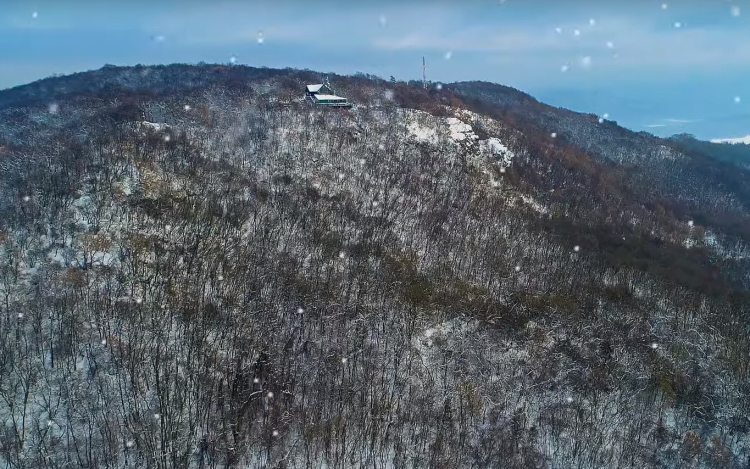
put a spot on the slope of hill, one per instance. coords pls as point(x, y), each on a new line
point(728, 150)
point(198, 269)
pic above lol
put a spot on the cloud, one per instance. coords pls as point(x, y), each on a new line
point(617, 42)
point(681, 121)
point(672, 122)
point(232, 24)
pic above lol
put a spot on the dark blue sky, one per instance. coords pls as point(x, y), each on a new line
point(683, 66)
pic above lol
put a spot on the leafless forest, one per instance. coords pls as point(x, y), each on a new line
point(227, 277)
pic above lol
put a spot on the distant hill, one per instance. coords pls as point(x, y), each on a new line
point(739, 140)
point(735, 151)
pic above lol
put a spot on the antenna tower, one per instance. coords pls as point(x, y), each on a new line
point(424, 73)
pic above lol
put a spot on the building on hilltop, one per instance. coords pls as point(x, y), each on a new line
point(323, 95)
point(312, 90)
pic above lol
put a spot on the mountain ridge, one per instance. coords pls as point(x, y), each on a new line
point(220, 274)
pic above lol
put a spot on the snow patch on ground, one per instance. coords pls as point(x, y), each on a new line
point(126, 185)
point(460, 131)
point(533, 204)
point(422, 133)
point(663, 152)
point(155, 126)
point(437, 334)
point(738, 251)
point(80, 206)
point(499, 150)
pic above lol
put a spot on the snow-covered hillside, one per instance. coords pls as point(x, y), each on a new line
point(225, 280)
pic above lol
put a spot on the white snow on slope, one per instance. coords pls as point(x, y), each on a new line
point(156, 126)
point(745, 140)
point(533, 203)
point(498, 149)
point(460, 131)
point(422, 133)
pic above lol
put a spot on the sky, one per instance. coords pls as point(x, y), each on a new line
point(665, 68)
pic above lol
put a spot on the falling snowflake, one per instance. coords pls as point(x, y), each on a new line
point(690, 223)
point(157, 416)
point(553, 135)
point(20, 315)
point(663, 6)
point(270, 395)
point(26, 198)
point(50, 423)
point(448, 55)
point(232, 59)
point(558, 30)
point(275, 433)
point(601, 120)
point(159, 38)
point(220, 278)
point(343, 360)
point(300, 310)
point(53, 108)
point(610, 44)
point(260, 37)
point(564, 68)
point(735, 11)
point(34, 15)
point(130, 443)
point(518, 268)
point(576, 32)
point(256, 380)
point(569, 400)
point(677, 24)
point(439, 86)
point(104, 341)
point(654, 346)
point(167, 138)
point(383, 21)
point(341, 176)
point(138, 301)
point(187, 107)
point(737, 99)
point(342, 255)
point(375, 203)
point(592, 22)
point(576, 248)
point(502, 170)
point(586, 61)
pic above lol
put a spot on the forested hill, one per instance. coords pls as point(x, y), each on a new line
point(734, 153)
point(199, 269)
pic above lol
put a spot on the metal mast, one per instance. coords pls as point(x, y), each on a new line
point(424, 73)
